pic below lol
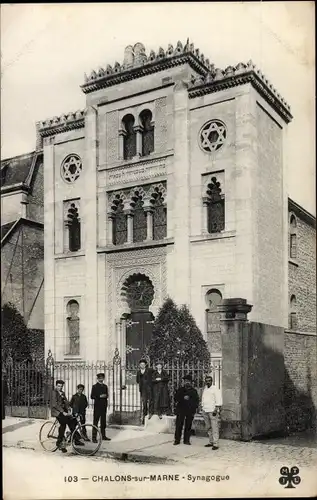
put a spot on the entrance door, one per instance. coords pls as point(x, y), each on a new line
point(139, 327)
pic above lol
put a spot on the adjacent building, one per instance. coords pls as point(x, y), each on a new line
point(22, 241)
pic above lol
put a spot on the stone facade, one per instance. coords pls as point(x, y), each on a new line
point(218, 152)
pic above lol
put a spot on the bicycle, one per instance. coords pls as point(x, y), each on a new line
point(49, 432)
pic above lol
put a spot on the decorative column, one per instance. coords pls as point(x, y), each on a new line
point(149, 222)
point(235, 423)
point(138, 131)
point(129, 215)
point(122, 134)
point(111, 216)
point(205, 215)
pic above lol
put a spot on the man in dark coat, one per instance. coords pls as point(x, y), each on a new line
point(144, 380)
point(79, 403)
point(160, 390)
point(99, 394)
point(60, 409)
point(187, 401)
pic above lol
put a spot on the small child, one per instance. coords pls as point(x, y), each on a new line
point(79, 403)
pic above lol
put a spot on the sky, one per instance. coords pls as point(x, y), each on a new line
point(47, 48)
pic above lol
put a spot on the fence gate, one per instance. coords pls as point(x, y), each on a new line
point(28, 387)
point(30, 384)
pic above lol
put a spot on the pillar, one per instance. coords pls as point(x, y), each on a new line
point(205, 216)
point(138, 130)
point(149, 223)
point(234, 335)
point(122, 134)
point(129, 227)
point(110, 229)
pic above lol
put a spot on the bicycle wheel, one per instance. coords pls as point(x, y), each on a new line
point(88, 447)
point(48, 436)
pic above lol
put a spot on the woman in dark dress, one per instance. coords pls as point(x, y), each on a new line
point(160, 390)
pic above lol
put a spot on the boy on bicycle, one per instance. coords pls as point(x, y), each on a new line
point(60, 409)
point(79, 403)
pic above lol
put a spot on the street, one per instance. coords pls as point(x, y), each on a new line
point(36, 475)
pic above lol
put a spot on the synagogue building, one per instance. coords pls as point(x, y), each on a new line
point(171, 182)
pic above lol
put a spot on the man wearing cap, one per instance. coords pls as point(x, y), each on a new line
point(187, 401)
point(99, 394)
point(144, 380)
point(211, 403)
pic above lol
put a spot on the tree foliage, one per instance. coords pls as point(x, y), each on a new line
point(14, 332)
point(176, 336)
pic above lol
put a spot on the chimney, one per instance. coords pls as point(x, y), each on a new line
point(39, 139)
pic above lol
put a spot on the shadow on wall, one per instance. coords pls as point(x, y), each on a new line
point(275, 405)
point(300, 411)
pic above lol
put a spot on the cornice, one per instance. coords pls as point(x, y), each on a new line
point(143, 65)
point(241, 74)
point(64, 123)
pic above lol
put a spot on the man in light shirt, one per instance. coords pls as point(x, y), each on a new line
point(211, 403)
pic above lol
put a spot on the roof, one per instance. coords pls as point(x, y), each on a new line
point(18, 170)
point(301, 212)
point(8, 228)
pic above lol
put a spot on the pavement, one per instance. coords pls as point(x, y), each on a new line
point(147, 445)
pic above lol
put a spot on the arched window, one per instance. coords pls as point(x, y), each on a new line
point(293, 313)
point(73, 344)
point(73, 224)
point(129, 137)
point(159, 217)
point(139, 220)
point(147, 132)
point(215, 207)
point(119, 224)
point(293, 237)
point(213, 299)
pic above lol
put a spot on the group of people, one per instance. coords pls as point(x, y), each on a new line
point(153, 387)
point(155, 400)
point(67, 412)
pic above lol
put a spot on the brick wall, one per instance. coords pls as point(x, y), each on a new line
point(300, 390)
point(14, 280)
point(302, 277)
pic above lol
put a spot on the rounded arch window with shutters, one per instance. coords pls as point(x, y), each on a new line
point(212, 136)
point(71, 168)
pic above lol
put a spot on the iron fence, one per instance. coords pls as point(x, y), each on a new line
point(30, 385)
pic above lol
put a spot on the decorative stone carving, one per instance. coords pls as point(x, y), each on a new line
point(142, 171)
point(112, 136)
point(71, 168)
point(136, 58)
point(129, 196)
point(150, 262)
point(160, 131)
point(128, 57)
point(212, 136)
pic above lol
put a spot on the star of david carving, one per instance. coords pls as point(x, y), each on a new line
point(212, 136)
point(71, 168)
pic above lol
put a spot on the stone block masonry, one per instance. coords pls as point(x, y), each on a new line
point(300, 389)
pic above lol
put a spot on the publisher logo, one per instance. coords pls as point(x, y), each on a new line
point(289, 478)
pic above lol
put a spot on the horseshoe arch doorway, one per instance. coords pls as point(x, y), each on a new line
point(138, 291)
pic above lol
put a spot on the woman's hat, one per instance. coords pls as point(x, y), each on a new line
point(100, 375)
